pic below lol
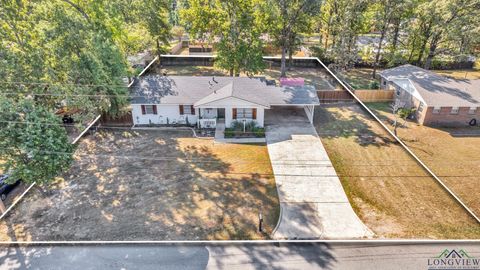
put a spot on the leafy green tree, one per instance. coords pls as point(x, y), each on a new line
point(385, 14)
point(155, 14)
point(178, 32)
point(291, 17)
point(34, 145)
point(201, 19)
point(447, 16)
point(237, 24)
point(240, 46)
point(61, 47)
point(348, 22)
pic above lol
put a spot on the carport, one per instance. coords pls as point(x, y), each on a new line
point(294, 97)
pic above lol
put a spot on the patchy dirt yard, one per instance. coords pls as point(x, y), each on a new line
point(452, 153)
point(313, 76)
point(389, 191)
point(152, 185)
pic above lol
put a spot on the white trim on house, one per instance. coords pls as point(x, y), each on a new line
point(404, 84)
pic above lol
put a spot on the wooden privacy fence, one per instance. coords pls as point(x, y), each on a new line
point(374, 95)
point(329, 96)
point(124, 120)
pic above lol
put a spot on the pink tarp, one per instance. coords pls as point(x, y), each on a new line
point(292, 81)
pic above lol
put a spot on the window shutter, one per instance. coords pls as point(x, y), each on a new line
point(181, 109)
point(154, 109)
point(234, 113)
point(193, 110)
point(254, 113)
point(143, 109)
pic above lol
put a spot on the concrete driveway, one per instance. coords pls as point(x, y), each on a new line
point(313, 202)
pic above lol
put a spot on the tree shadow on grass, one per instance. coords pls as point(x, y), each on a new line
point(152, 186)
point(147, 186)
point(349, 121)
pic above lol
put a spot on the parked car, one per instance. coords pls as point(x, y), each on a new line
point(6, 188)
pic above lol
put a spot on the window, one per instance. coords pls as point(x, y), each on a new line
point(472, 110)
point(384, 82)
point(149, 109)
point(186, 109)
point(398, 92)
point(245, 113)
point(454, 110)
point(436, 110)
point(420, 107)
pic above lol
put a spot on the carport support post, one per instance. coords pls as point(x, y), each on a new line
point(260, 222)
point(313, 112)
point(309, 111)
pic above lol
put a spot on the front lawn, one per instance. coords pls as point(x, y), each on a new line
point(389, 191)
point(152, 185)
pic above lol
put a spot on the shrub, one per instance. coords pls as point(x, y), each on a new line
point(229, 133)
point(373, 85)
point(251, 130)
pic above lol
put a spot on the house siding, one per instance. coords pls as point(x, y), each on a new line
point(407, 100)
point(164, 112)
point(445, 118)
point(425, 115)
point(229, 115)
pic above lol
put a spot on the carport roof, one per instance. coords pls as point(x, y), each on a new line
point(199, 90)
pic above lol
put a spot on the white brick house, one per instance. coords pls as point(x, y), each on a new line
point(204, 100)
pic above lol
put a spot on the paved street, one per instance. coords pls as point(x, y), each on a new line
point(314, 204)
point(365, 255)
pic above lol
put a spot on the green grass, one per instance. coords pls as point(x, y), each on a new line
point(360, 78)
point(388, 190)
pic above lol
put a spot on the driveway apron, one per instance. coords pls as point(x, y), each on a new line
point(313, 202)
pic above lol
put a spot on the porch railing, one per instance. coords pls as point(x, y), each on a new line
point(207, 123)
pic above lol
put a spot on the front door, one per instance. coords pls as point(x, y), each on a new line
point(221, 113)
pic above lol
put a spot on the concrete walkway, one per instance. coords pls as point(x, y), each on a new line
point(313, 202)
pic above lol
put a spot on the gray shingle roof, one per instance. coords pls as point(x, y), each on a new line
point(156, 89)
point(435, 89)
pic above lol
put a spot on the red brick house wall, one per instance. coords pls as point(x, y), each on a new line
point(446, 118)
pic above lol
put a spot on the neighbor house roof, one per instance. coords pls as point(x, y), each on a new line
point(436, 90)
point(156, 89)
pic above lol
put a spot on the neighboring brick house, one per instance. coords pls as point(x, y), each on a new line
point(439, 100)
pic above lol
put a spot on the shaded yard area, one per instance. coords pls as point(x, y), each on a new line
point(313, 76)
point(389, 191)
point(452, 153)
point(360, 78)
point(152, 185)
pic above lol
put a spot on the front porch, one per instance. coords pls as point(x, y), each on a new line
point(209, 117)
